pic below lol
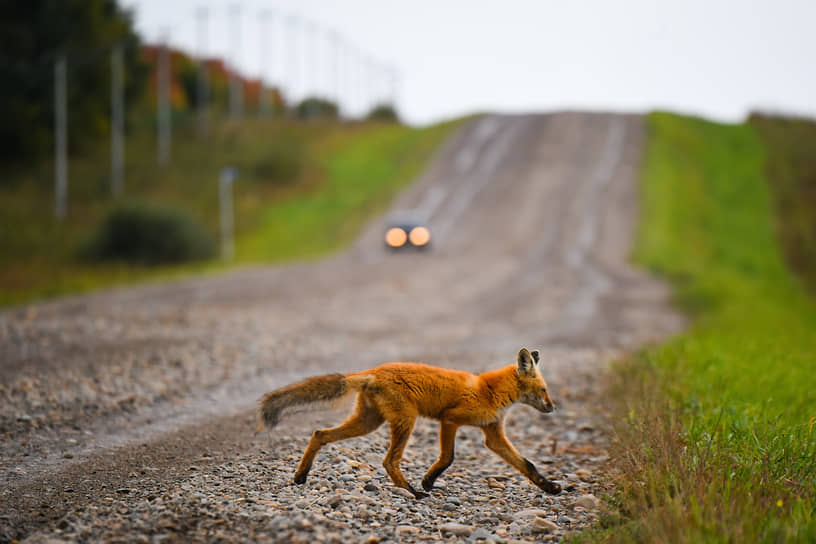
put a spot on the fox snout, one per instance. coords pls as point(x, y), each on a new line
point(540, 404)
point(545, 406)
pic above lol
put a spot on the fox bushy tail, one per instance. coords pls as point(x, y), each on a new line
point(318, 389)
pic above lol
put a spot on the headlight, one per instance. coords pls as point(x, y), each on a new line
point(420, 236)
point(395, 237)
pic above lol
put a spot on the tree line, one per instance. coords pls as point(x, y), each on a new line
point(34, 35)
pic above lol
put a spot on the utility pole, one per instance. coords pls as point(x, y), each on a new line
point(324, 64)
point(293, 61)
point(309, 65)
point(236, 86)
point(117, 120)
point(349, 80)
point(61, 137)
point(163, 99)
point(379, 83)
point(370, 68)
point(362, 82)
point(373, 83)
point(203, 99)
point(225, 181)
point(277, 72)
point(394, 83)
point(337, 46)
point(264, 106)
point(318, 62)
point(333, 58)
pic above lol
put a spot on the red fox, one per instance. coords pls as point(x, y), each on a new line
point(401, 392)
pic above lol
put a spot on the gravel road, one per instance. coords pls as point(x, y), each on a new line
point(127, 414)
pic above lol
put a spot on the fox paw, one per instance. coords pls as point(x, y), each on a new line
point(420, 494)
point(552, 488)
point(300, 478)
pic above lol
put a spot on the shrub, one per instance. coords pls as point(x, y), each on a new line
point(282, 162)
point(316, 108)
point(383, 112)
point(142, 233)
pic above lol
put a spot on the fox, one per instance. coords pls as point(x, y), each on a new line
point(399, 393)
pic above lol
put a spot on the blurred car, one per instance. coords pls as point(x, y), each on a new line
point(406, 231)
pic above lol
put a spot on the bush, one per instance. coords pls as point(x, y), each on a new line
point(282, 162)
point(316, 108)
point(142, 233)
point(383, 112)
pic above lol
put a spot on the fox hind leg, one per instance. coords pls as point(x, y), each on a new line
point(447, 436)
point(364, 419)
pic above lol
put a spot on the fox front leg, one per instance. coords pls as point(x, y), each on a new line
point(498, 443)
point(447, 436)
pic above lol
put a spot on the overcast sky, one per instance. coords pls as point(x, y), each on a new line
point(715, 58)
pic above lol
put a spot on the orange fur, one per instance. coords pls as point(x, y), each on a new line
point(400, 392)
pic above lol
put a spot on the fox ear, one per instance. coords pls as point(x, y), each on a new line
point(525, 361)
point(535, 354)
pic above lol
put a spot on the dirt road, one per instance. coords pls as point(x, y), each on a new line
point(127, 415)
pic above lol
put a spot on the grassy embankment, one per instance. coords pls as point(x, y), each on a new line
point(791, 168)
point(304, 189)
point(716, 434)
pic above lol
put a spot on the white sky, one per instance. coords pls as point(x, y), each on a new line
point(716, 58)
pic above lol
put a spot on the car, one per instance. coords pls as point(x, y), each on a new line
point(407, 231)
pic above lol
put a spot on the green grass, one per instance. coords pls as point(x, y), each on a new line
point(714, 428)
point(304, 189)
point(359, 181)
point(791, 169)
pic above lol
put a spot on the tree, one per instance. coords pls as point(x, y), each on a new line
point(32, 36)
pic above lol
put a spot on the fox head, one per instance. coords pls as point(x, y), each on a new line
point(532, 387)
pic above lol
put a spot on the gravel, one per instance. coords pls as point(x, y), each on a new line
point(349, 497)
point(126, 416)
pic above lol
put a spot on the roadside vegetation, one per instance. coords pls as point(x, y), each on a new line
point(303, 189)
point(791, 170)
point(716, 429)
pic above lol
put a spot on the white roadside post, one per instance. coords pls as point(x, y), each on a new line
point(225, 181)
